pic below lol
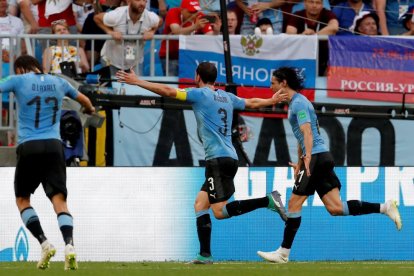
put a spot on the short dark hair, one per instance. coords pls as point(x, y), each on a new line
point(263, 21)
point(27, 64)
point(292, 75)
point(207, 72)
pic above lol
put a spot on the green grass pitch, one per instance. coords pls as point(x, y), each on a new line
point(219, 268)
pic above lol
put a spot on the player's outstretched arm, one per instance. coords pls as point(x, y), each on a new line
point(278, 97)
point(158, 88)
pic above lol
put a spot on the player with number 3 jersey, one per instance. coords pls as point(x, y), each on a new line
point(213, 109)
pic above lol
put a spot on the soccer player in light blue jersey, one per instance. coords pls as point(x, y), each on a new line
point(315, 168)
point(40, 157)
point(213, 109)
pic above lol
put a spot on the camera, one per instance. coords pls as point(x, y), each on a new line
point(210, 18)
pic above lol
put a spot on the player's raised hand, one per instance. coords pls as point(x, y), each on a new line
point(129, 78)
point(280, 96)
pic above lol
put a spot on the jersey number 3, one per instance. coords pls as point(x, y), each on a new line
point(49, 100)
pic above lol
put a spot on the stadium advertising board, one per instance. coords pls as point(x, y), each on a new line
point(169, 138)
point(368, 64)
point(137, 214)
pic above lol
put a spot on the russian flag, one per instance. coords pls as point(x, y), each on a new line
point(372, 68)
point(254, 58)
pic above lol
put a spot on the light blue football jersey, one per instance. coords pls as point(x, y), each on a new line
point(214, 114)
point(301, 111)
point(39, 98)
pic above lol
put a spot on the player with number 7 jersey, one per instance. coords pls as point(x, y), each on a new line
point(213, 109)
point(315, 168)
point(40, 154)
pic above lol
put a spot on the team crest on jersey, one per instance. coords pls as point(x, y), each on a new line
point(302, 114)
point(4, 79)
point(251, 44)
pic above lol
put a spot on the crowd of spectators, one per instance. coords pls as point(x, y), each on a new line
point(149, 17)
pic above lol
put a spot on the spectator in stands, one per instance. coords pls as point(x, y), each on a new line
point(48, 12)
point(263, 27)
point(212, 8)
point(232, 5)
point(127, 20)
point(299, 5)
point(345, 12)
point(366, 23)
point(184, 20)
point(90, 27)
point(292, 6)
point(9, 25)
point(407, 21)
point(232, 22)
point(63, 52)
point(13, 7)
point(29, 15)
point(255, 10)
point(314, 19)
point(388, 12)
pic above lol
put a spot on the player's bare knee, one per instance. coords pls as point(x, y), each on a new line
point(335, 210)
point(22, 202)
point(198, 205)
point(294, 206)
point(218, 214)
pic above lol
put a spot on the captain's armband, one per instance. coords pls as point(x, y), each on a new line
point(181, 94)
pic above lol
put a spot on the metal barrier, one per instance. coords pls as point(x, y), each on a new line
point(32, 40)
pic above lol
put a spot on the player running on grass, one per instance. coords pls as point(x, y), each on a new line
point(213, 109)
point(315, 168)
point(40, 157)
